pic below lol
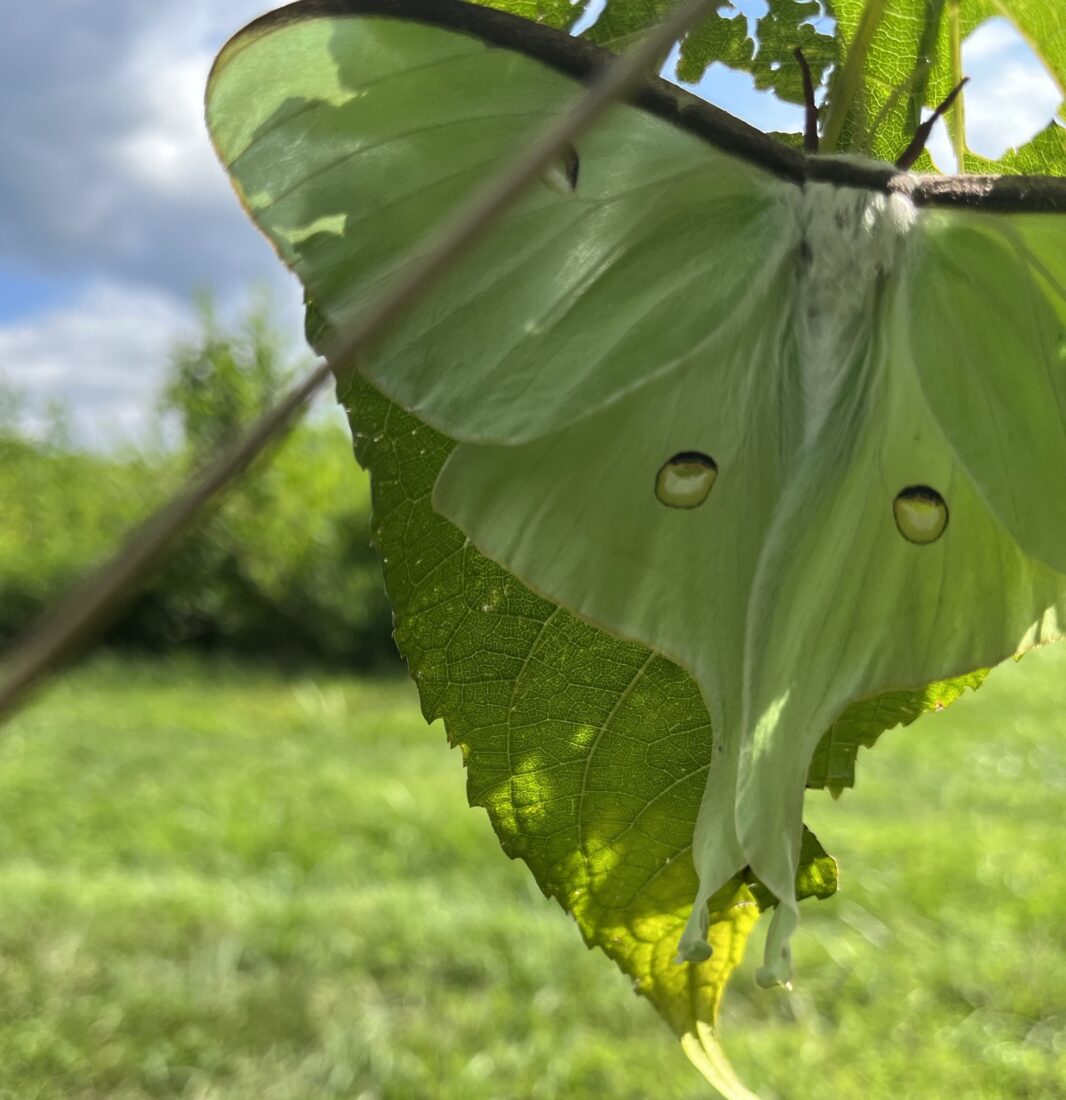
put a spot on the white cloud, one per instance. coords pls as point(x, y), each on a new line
point(167, 151)
point(103, 357)
point(1011, 96)
point(110, 171)
point(112, 185)
point(1020, 106)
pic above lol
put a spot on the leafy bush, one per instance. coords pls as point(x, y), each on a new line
point(282, 568)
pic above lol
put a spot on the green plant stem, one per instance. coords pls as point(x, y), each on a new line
point(845, 87)
point(957, 118)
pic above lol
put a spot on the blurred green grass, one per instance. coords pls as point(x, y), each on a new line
point(219, 883)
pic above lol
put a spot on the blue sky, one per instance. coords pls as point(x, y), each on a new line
point(113, 210)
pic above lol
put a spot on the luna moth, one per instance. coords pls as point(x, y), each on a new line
point(796, 422)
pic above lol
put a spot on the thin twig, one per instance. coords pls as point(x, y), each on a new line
point(79, 616)
point(848, 78)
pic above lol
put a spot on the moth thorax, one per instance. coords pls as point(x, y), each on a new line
point(851, 241)
point(852, 238)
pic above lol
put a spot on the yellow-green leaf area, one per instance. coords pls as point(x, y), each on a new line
point(552, 13)
point(833, 763)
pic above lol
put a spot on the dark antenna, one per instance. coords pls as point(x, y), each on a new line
point(914, 150)
point(810, 124)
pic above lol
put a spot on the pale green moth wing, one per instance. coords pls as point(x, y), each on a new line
point(987, 299)
point(588, 753)
point(350, 137)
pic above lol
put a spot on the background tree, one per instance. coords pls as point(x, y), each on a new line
point(282, 568)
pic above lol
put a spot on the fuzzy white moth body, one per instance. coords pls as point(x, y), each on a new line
point(851, 240)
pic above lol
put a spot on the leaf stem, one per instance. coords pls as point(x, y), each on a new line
point(846, 85)
point(957, 117)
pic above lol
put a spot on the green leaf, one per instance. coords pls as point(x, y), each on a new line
point(622, 22)
point(553, 13)
point(793, 140)
point(833, 763)
point(589, 753)
point(784, 28)
point(902, 56)
point(721, 38)
point(617, 27)
point(877, 93)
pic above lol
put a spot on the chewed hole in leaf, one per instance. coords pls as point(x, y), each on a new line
point(921, 514)
point(686, 479)
point(1011, 96)
point(593, 9)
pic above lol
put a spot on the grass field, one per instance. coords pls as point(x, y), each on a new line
point(218, 883)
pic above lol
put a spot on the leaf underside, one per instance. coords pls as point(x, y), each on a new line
point(589, 753)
